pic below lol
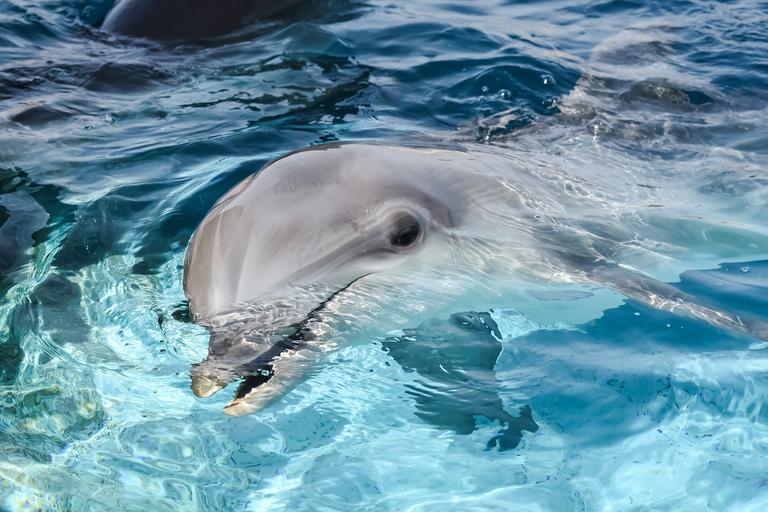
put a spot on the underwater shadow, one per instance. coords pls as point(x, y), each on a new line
point(455, 360)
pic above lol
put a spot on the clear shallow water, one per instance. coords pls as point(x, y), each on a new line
point(112, 152)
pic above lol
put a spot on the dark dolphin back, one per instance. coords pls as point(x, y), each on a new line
point(188, 19)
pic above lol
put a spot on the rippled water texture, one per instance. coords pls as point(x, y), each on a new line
point(112, 151)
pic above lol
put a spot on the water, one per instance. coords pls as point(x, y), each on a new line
point(113, 151)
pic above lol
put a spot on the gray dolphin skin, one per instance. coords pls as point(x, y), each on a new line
point(282, 269)
point(188, 20)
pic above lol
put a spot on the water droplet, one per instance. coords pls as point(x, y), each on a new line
point(505, 94)
point(547, 79)
point(637, 314)
point(484, 90)
point(745, 269)
point(598, 127)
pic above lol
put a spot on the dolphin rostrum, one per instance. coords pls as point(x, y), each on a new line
point(299, 257)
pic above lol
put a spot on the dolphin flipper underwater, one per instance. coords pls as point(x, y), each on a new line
point(294, 259)
point(456, 361)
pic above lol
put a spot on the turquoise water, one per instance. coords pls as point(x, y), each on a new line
point(113, 150)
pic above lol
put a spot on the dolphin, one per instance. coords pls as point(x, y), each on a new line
point(283, 268)
point(167, 20)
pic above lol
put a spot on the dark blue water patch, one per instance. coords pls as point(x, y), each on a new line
point(174, 228)
point(453, 92)
point(33, 229)
point(90, 12)
point(346, 81)
point(698, 98)
point(463, 8)
point(98, 228)
point(11, 353)
point(39, 115)
point(750, 83)
point(607, 8)
point(732, 51)
point(101, 77)
point(428, 39)
point(332, 68)
point(56, 304)
point(128, 215)
point(25, 25)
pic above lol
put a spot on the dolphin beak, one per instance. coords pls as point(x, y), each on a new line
point(290, 369)
point(204, 385)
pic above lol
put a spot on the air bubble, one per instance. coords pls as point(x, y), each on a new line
point(598, 127)
point(505, 94)
point(745, 269)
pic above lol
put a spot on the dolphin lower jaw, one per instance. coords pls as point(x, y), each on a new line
point(287, 370)
point(270, 359)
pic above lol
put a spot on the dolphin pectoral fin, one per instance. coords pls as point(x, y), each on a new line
point(457, 383)
point(667, 297)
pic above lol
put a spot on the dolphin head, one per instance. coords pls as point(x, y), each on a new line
point(276, 250)
point(327, 215)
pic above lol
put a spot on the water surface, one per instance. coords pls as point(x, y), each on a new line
point(112, 151)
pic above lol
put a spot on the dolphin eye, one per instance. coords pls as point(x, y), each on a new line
point(407, 235)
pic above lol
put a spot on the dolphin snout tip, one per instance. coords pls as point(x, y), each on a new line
point(203, 386)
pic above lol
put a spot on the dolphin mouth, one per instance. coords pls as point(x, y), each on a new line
point(263, 378)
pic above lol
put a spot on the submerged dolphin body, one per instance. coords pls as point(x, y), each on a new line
point(299, 256)
point(187, 20)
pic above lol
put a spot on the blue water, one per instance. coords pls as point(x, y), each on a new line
point(113, 150)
